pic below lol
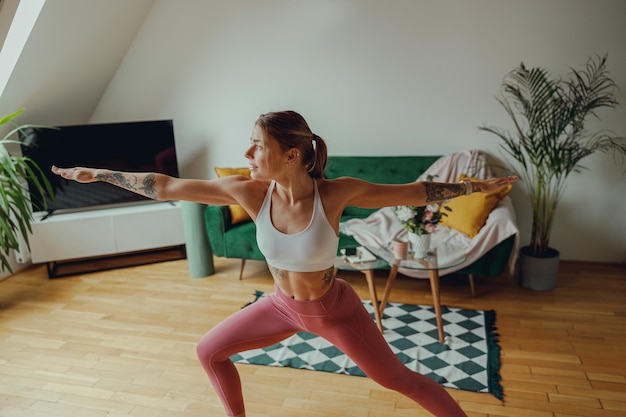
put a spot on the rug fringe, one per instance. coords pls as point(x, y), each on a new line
point(493, 367)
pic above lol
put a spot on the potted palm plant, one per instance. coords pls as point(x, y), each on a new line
point(15, 201)
point(548, 142)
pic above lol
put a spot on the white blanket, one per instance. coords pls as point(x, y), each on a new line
point(382, 226)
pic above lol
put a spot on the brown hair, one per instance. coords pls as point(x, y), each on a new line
point(291, 131)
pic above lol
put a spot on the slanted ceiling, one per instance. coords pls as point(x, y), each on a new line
point(69, 58)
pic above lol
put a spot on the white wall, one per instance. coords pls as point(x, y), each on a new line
point(370, 76)
point(374, 77)
point(71, 55)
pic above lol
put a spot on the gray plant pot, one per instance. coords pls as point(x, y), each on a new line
point(537, 273)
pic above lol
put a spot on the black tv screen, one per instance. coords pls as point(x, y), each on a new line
point(143, 146)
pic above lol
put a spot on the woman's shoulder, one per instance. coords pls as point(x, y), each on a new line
point(339, 183)
point(259, 185)
point(339, 188)
point(242, 186)
point(245, 181)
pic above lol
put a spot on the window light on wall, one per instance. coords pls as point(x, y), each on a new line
point(22, 24)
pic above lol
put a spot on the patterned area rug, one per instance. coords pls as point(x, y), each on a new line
point(468, 360)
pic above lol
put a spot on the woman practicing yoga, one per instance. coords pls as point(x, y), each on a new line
point(297, 215)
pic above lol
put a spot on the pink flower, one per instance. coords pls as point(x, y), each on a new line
point(419, 219)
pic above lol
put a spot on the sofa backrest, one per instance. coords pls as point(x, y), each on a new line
point(377, 169)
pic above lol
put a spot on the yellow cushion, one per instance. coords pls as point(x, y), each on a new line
point(469, 212)
point(237, 213)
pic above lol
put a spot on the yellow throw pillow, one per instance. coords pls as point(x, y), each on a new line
point(469, 212)
point(237, 213)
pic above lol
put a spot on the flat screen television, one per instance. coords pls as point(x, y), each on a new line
point(142, 146)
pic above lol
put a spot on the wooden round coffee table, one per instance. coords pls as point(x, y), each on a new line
point(442, 257)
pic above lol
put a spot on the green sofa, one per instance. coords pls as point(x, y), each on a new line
point(239, 240)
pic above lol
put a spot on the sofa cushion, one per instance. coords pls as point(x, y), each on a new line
point(469, 212)
point(237, 213)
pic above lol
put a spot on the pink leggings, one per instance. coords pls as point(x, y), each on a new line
point(339, 317)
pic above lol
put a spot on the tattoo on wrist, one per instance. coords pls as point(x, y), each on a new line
point(442, 191)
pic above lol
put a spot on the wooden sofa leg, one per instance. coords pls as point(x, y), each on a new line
point(243, 264)
point(471, 282)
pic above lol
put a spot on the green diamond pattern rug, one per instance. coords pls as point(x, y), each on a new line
point(468, 360)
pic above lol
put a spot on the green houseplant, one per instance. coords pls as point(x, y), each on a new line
point(548, 142)
point(15, 203)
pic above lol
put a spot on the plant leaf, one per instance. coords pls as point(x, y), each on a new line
point(11, 116)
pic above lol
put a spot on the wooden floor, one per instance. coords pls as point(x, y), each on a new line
point(122, 343)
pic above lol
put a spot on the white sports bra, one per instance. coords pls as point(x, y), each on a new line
point(313, 249)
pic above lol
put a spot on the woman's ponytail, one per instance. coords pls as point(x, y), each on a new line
point(315, 167)
point(292, 131)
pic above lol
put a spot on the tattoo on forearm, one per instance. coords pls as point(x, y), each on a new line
point(328, 277)
point(117, 178)
point(148, 185)
point(129, 182)
point(442, 191)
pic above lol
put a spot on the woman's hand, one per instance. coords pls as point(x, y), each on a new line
point(79, 174)
point(493, 184)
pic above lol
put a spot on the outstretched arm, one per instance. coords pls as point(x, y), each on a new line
point(437, 191)
point(368, 195)
point(148, 184)
point(159, 186)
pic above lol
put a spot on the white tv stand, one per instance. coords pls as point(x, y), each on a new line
point(81, 236)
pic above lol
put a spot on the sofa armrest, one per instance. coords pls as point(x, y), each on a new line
point(494, 262)
point(217, 221)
